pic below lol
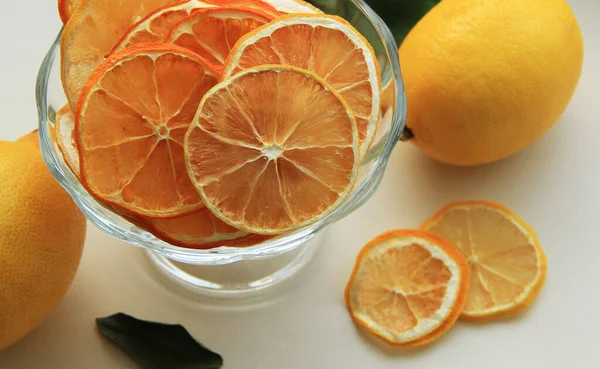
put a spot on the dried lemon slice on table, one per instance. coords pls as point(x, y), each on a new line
point(408, 287)
point(508, 265)
point(327, 46)
point(287, 149)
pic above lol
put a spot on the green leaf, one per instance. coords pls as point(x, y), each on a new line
point(399, 15)
point(157, 345)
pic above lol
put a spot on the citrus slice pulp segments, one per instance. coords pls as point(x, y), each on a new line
point(293, 6)
point(130, 125)
point(407, 287)
point(212, 32)
point(199, 230)
point(327, 46)
point(64, 127)
point(92, 32)
point(287, 149)
point(155, 26)
point(508, 265)
point(251, 4)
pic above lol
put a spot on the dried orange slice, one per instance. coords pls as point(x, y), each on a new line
point(66, 9)
point(93, 30)
point(508, 265)
point(156, 25)
point(199, 230)
point(408, 287)
point(326, 45)
point(130, 126)
point(293, 6)
point(63, 128)
point(211, 33)
point(287, 149)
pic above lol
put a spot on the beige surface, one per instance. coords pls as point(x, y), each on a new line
point(553, 185)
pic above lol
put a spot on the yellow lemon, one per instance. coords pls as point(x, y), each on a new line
point(486, 78)
point(41, 240)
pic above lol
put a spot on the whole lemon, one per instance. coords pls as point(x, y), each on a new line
point(41, 240)
point(486, 78)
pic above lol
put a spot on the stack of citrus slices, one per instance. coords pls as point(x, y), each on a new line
point(215, 122)
point(474, 260)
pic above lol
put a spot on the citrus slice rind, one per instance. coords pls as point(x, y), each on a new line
point(329, 47)
point(212, 32)
point(155, 26)
point(259, 5)
point(407, 287)
point(262, 126)
point(66, 9)
point(508, 265)
point(130, 124)
point(64, 127)
point(199, 230)
point(294, 6)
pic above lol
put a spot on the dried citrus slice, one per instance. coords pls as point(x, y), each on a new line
point(64, 127)
point(293, 6)
point(66, 9)
point(287, 149)
point(408, 287)
point(508, 265)
point(92, 32)
point(199, 230)
point(326, 45)
point(130, 126)
point(155, 26)
point(212, 32)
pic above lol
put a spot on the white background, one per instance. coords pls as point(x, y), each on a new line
point(553, 185)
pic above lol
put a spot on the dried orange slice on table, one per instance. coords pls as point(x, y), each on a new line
point(408, 287)
point(130, 125)
point(508, 265)
point(272, 149)
point(211, 33)
point(326, 45)
point(92, 32)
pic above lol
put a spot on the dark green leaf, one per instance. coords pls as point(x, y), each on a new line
point(156, 345)
point(400, 15)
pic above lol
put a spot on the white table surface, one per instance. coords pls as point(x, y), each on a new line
point(553, 185)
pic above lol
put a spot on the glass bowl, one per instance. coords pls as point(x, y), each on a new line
point(228, 271)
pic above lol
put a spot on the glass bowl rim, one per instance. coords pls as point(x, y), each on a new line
point(225, 255)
